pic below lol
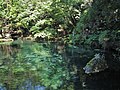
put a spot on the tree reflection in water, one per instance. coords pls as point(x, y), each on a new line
point(26, 65)
point(34, 61)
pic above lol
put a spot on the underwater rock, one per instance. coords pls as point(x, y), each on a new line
point(96, 64)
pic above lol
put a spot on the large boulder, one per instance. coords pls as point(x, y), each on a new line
point(96, 64)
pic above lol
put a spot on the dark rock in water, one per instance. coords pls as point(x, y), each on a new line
point(97, 64)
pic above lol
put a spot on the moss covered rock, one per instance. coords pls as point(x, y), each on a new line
point(96, 64)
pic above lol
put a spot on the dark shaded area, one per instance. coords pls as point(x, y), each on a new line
point(106, 80)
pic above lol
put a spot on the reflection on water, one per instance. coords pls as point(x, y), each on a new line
point(26, 65)
point(37, 62)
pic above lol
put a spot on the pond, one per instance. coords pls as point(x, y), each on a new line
point(27, 65)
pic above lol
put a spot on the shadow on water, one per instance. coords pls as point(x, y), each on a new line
point(26, 65)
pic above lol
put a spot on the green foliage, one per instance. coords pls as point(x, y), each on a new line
point(35, 16)
point(98, 21)
point(87, 19)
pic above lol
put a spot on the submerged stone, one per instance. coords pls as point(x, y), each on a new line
point(96, 64)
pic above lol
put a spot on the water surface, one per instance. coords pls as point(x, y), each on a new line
point(26, 65)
